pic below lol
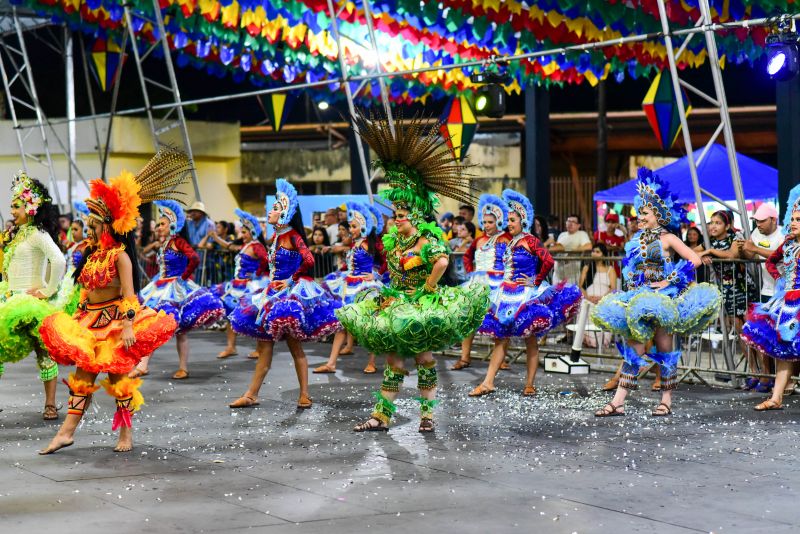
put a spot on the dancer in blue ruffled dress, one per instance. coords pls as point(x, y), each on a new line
point(774, 327)
point(250, 264)
point(172, 289)
point(359, 275)
point(293, 307)
point(524, 305)
point(661, 298)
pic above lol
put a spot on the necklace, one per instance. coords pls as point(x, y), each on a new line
point(406, 242)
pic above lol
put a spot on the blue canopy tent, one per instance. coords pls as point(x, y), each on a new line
point(759, 181)
point(310, 204)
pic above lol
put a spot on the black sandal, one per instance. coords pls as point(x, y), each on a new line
point(615, 411)
point(658, 412)
point(426, 425)
point(367, 426)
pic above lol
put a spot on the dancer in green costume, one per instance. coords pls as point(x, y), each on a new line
point(413, 316)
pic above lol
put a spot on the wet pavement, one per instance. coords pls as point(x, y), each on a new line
point(501, 463)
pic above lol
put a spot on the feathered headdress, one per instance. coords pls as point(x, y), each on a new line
point(519, 204)
point(24, 189)
point(793, 204)
point(80, 209)
point(654, 194)
point(117, 202)
point(377, 218)
point(416, 161)
point(285, 201)
point(359, 213)
point(493, 205)
point(249, 221)
point(174, 213)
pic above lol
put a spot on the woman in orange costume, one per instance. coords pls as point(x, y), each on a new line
point(111, 332)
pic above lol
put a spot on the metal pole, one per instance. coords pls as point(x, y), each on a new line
point(349, 94)
point(13, 112)
point(727, 132)
point(114, 95)
point(90, 95)
point(381, 81)
point(142, 82)
point(71, 134)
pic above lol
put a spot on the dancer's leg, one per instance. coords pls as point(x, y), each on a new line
point(782, 375)
point(336, 346)
point(182, 341)
point(532, 355)
point(498, 355)
point(142, 368)
point(250, 398)
point(633, 361)
point(348, 348)
point(393, 376)
point(427, 380)
point(125, 391)
point(230, 348)
point(81, 387)
point(466, 354)
point(301, 369)
point(48, 373)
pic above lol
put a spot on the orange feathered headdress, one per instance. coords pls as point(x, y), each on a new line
point(117, 202)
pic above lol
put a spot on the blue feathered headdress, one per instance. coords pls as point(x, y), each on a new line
point(793, 204)
point(519, 203)
point(285, 200)
point(493, 205)
point(249, 221)
point(80, 208)
point(173, 211)
point(358, 212)
point(654, 194)
point(377, 218)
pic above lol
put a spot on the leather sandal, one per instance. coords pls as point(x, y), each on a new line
point(138, 373)
point(768, 405)
point(426, 425)
point(611, 385)
point(662, 410)
point(346, 352)
point(504, 366)
point(227, 353)
point(605, 412)
point(460, 364)
point(480, 391)
point(368, 426)
point(245, 401)
point(304, 402)
point(323, 369)
point(370, 369)
point(50, 412)
point(181, 374)
point(529, 391)
point(253, 355)
point(656, 386)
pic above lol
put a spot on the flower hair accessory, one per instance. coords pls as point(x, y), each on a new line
point(249, 221)
point(174, 213)
point(519, 204)
point(285, 201)
point(493, 205)
point(654, 194)
point(361, 215)
point(26, 191)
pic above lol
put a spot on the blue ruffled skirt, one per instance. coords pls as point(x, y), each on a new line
point(345, 288)
point(518, 310)
point(231, 293)
point(191, 305)
point(774, 327)
point(302, 310)
point(637, 313)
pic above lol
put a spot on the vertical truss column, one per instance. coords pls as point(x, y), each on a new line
point(174, 116)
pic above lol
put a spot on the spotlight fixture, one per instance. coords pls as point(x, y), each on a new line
point(323, 105)
point(490, 98)
point(783, 58)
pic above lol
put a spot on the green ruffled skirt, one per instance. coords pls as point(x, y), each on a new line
point(390, 323)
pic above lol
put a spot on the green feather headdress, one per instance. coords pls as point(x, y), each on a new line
point(417, 163)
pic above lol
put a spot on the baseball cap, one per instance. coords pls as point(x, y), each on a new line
point(612, 217)
point(446, 216)
point(765, 211)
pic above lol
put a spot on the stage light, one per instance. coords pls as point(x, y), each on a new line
point(323, 105)
point(480, 103)
point(783, 59)
point(490, 100)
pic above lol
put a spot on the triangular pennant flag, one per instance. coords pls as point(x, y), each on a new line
point(661, 109)
point(458, 126)
point(106, 58)
point(279, 106)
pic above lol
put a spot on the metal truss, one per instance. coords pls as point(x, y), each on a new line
point(152, 90)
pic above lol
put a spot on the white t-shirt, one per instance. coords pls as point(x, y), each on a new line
point(570, 270)
point(333, 233)
point(771, 242)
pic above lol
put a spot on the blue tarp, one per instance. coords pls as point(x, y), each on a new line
point(310, 204)
point(759, 181)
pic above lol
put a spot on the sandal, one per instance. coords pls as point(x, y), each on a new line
point(347, 352)
point(460, 364)
point(253, 355)
point(656, 386)
point(480, 391)
point(368, 426)
point(245, 401)
point(304, 402)
point(764, 387)
point(227, 353)
point(50, 412)
point(611, 385)
point(426, 425)
point(605, 412)
point(662, 410)
point(322, 369)
point(181, 374)
point(529, 391)
point(768, 405)
point(504, 366)
point(370, 369)
point(138, 373)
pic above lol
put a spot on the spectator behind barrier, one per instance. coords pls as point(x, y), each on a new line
point(324, 263)
point(543, 232)
point(598, 279)
point(574, 240)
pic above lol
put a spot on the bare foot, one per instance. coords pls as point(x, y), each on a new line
point(125, 442)
point(60, 441)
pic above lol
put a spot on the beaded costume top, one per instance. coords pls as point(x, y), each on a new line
point(645, 263)
point(247, 266)
point(787, 255)
point(100, 268)
point(488, 255)
point(359, 262)
point(408, 269)
point(286, 263)
point(177, 258)
point(531, 262)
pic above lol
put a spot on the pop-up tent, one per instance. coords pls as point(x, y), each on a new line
point(759, 181)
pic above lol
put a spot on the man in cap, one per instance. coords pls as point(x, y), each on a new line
point(198, 223)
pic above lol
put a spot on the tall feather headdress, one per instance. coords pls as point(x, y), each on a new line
point(654, 194)
point(117, 202)
point(417, 162)
point(792, 205)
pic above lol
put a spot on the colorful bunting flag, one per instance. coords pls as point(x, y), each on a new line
point(458, 126)
point(661, 109)
point(106, 57)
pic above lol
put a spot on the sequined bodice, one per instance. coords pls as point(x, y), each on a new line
point(407, 271)
point(489, 255)
point(645, 261)
point(246, 265)
point(172, 263)
point(283, 263)
point(519, 261)
point(791, 269)
point(359, 261)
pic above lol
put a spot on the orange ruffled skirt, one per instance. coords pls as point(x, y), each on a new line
point(92, 338)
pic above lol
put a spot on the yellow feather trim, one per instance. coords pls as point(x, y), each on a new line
point(125, 388)
point(128, 189)
point(81, 387)
point(412, 263)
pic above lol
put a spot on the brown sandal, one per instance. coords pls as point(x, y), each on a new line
point(253, 355)
point(611, 385)
point(662, 410)
point(370, 369)
point(346, 352)
point(426, 425)
point(181, 374)
point(137, 373)
point(245, 401)
point(324, 369)
point(614, 412)
point(304, 402)
point(529, 391)
point(768, 405)
point(50, 412)
point(226, 354)
point(480, 391)
point(460, 364)
point(504, 366)
point(367, 426)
